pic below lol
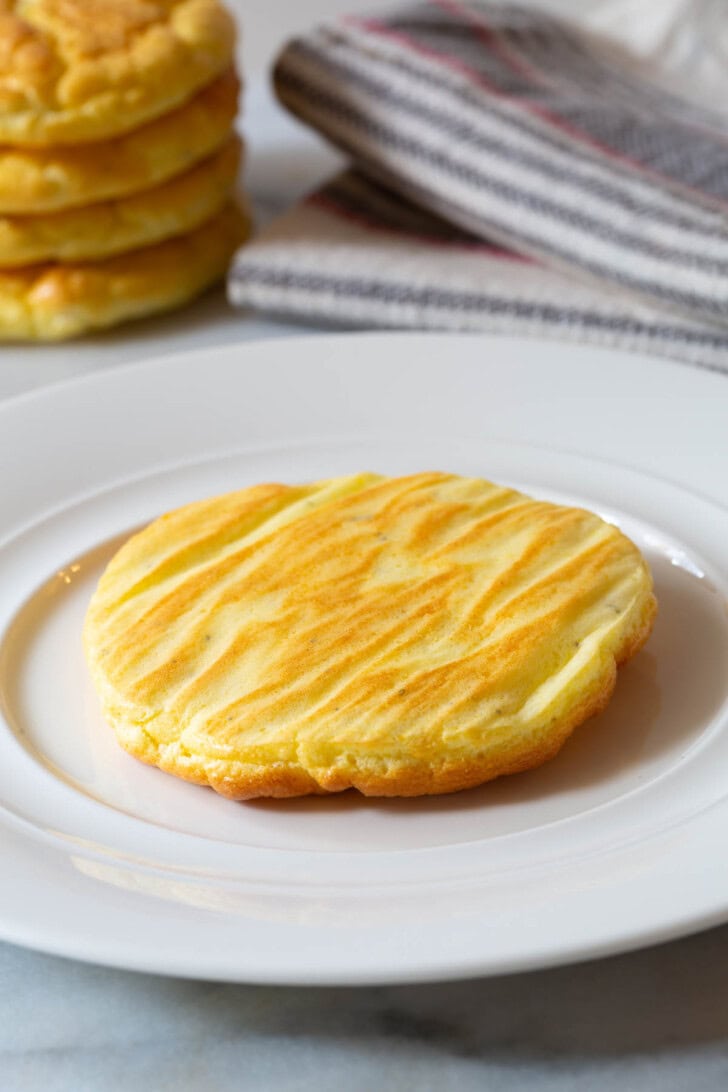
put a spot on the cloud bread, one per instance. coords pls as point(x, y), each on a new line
point(113, 227)
point(35, 180)
point(402, 636)
point(55, 301)
point(76, 70)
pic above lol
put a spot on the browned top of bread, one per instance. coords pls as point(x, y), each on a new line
point(77, 70)
point(399, 635)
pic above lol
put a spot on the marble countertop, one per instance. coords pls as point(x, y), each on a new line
point(656, 1019)
point(652, 1020)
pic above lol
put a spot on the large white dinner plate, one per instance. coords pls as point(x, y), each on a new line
point(618, 842)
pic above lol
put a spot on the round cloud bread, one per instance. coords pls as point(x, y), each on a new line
point(78, 70)
point(38, 180)
point(51, 302)
point(113, 227)
point(402, 636)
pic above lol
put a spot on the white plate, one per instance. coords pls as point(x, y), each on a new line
point(617, 843)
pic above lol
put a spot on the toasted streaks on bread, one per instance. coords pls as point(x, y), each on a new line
point(400, 636)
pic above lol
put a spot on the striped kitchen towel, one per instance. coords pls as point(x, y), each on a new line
point(355, 254)
point(512, 173)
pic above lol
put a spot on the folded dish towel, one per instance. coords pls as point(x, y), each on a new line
point(512, 174)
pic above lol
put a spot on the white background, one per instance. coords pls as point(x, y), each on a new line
point(265, 24)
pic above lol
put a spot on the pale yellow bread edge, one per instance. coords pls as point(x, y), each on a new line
point(42, 180)
point(53, 302)
point(175, 207)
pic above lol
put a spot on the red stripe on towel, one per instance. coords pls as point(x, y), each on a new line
point(488, 37)
point(330, 204)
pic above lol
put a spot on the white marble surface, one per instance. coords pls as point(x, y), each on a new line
point(655, 1020)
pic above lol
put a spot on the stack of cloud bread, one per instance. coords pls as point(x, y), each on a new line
point(118, 160)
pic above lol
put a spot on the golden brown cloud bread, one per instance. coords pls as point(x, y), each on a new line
point(51, 302)
point(35, 180)
point(113, 227)
point(400, 635)
point(78, 70)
